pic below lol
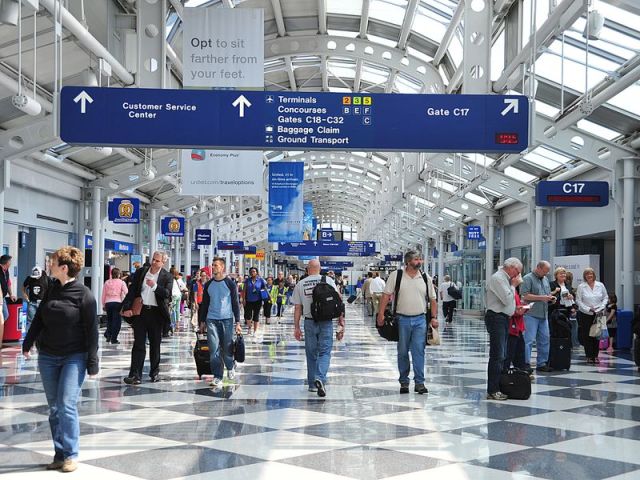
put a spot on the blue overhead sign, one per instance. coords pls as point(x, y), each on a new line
point(326, 235)
point(473, 232)
point(336, 265)
point(572, 194)
point(258, 120)
point(230, 245)
point(203, 237)
point(338, 249)
point(249, 250)
point(124, 210)
point(172, 226)
point(393, 258)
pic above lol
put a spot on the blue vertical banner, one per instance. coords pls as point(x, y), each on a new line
point(203, 237)
point(172, 226)
point(286, 181)
point(307, 223)
point(124, 210)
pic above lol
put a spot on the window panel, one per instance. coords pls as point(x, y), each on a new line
point(345, 7)
point(391, 11)
point(519, 175)
point(598, 130)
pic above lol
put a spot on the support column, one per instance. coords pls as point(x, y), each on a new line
point(152, 56)
point(619, 220)
point(178, 254)
point(460, 241)
point(553, 235)
point(153, 231)
point(503, 242)
point(4, 183)
point(476, 63)
point(628, 254)
point(187, 247)
point(490, 238)
point(536, 246)
point(96, 231)
point(99, 246)
point(440, 257)
point(433, 257)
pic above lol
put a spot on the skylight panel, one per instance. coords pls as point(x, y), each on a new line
point(540, 157)
point(519, 175)
point(342, 69)
point(426, 25)
point(418, 54)
point(338, 166)
point(598, 130)
point(353, 168)
point(317, 166)
point(378, 159)
point(373, 175)
point(451, 213)
point(619, 15)
point(627, 100)
point(421, 201)
point(443, 186)
point(404, 84)
point(374, 75)
point(546, 109)
point(343, 33)
point(610, 41)
point(391, 11)
point(345, 7)
point(383, 41)
point(476, 198)
point(549, 66)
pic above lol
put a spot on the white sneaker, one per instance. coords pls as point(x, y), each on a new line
point(217, 382)
point(231, 374)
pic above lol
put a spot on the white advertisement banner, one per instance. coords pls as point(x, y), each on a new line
point(223, 47)
point(576, 265)
point(216, 172)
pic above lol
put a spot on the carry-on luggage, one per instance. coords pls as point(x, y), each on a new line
point(636, 350)
point(515, 384)
point(201, 355)
point(352, 298)
point(560, 353)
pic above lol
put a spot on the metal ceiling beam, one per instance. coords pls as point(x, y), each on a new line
point(309, 45)
point(449, 34)
point(324, 73)
point(364, 19)
point(277, 14)
point(32, 137)
point(131, 177)
point(291, 74)
point(407, 23)
point(560, 19)
point(322, 17)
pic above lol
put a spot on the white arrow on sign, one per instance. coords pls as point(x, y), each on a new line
point(242, 102)
point(512, 104)
point(83, 97)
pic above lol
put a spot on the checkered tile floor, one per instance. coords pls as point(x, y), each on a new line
point(582, 424)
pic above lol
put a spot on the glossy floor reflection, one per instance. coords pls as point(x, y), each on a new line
point(582, 424)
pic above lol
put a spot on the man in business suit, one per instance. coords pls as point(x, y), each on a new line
point(153, 284)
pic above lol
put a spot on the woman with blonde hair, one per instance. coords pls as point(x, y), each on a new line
point(591, 298)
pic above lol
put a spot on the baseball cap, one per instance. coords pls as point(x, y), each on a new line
point(36, 272)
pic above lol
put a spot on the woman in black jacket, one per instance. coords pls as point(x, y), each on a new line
point(66, 328)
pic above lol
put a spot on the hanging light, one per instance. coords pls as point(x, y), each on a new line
point(593, 27)
point(9, 12)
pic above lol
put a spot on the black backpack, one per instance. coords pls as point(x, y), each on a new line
point(454, 292)
point(326, 302)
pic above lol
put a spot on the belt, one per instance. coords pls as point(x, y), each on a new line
point(149, 307)
point(308, 318)
point(498, 313)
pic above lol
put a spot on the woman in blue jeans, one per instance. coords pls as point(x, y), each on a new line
point(66, 328)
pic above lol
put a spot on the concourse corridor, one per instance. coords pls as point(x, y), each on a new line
point(582, 424)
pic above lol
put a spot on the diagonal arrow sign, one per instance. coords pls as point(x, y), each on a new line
point(512, 104)
point(83, 97)
point(242, 102)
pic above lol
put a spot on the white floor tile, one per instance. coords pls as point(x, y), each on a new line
point(143, 417)
point(276, 445)
point(576, 421)
point(286, 418)
point(291, 392)
point(430, 420)
point(601, 446)
point(16, 417)
point(265, 471)
point(460, 471)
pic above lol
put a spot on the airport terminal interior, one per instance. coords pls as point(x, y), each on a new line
point(279, 134)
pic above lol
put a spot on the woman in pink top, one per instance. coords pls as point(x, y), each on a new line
point(113, 292)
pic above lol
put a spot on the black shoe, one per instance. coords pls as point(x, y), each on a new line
point(420, 388)
point(115, 342)
point(155, 378)
point(544, 368)
point(404, 388)
point(107, 337)
point(320, 386)
point(132, 381)
point(166, 335)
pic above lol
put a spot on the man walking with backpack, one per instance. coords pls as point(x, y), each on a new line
point(411, 288)
point(318, 301)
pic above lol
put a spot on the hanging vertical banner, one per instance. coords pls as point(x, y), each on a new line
point(124, 210)
point(286, 181)
point(221, 172)
point(203, 237)
point(307, 223)
point(223, 47)
point(172, 226)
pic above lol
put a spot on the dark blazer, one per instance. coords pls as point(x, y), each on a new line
point(553, 285)
point(163, 290)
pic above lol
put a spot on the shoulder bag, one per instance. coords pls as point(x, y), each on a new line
point(389, 330)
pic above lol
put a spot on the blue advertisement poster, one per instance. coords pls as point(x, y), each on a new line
point(307, 224)
point(124, 210)
point(172, 226)
point(286, 180)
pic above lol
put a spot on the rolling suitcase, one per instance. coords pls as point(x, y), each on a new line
point(201, 355)
point(352, 298)
point(560, 353)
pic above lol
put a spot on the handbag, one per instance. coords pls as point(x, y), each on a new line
point(238, 349)
point(599, 322)
point(264, 295)
point(433, 336)
point(516, 384)
point(134, 311)
point(389, 330)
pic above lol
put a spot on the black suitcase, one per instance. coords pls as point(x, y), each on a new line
point(201, 355)
point(560, 353)
point(352, 298)
point(636, 350)
point(515, 384)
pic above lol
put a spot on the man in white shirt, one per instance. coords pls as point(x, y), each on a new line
point(501, 304)
point(448, 302)
point(376, 288)
point(318, 335)
point(411, 304)
point(153, 285)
